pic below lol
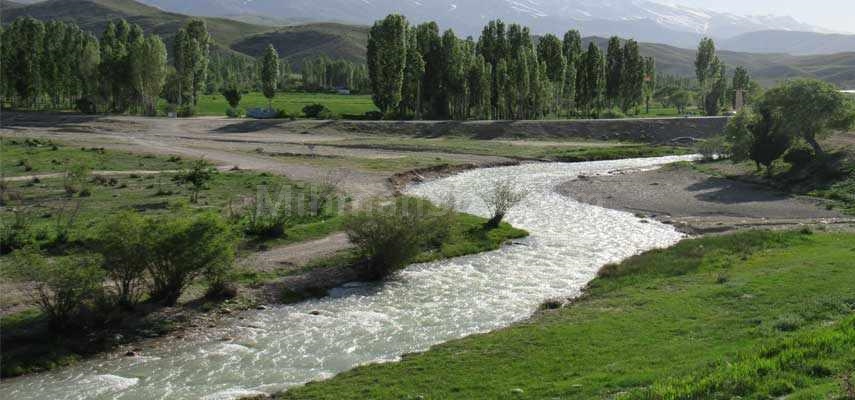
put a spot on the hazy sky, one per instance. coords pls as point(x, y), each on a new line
point(832, 14)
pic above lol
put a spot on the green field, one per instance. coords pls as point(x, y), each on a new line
point(752, 315)
point(292, 103)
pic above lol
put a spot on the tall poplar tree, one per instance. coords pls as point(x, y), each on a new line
point(632, 77)
point(386, 57)
point(269, 74)
point(572, 49)
point(614, 71)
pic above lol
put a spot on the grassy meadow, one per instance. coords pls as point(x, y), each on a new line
point(292, 103)
point(749, 315)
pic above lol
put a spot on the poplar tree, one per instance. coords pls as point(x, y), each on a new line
point(269, 74)
point(386, 57)
point(572, 49)
point(148, 70)
point(706, 68)
point(615, 72)
point(632, 77)
point(649, 85)
point(550, 53)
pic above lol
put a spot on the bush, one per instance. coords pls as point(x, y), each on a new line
point(390, 236)
point(232, 95)
point(232, 112)
point(62, 284)
point(500, 199)
point(373, 115)
point(198, 176)
point(15, 233)
point(738, 135)
point(185, 248)
point(87, 105)
point(282, 114)
point(612, 114)
point(317, 111)
point(185, 111)
point(122, 243)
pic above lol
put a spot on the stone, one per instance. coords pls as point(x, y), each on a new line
point(315, 312)
point(131, 353)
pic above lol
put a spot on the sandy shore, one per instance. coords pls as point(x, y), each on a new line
point(697, 203)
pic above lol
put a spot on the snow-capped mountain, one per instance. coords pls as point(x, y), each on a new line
point(645, 20)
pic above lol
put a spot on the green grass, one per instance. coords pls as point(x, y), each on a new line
point(22, 157)
point(292, 103)
point(390, 164)
point(756, 315)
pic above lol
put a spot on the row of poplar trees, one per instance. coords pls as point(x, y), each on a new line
point(416, 72)
point(711, 72)
point(58, 65)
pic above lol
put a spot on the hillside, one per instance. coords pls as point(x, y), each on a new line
point(93, 16)
point(295, 43)
point(799, 43)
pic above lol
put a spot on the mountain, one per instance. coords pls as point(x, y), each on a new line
point(800, 43)
point(644, 20)
point(93, 16)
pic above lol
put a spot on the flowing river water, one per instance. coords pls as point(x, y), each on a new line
point(423, 305)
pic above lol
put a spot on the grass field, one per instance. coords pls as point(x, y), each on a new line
point(751, 315)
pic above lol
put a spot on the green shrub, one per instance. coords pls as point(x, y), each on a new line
point(61, 284)
point(712, 148)
point(185, 248)
point(197, 177)
point(612, 114)
point(15, 233)
point(185, 111)
point(391, 235)
point(317, 111)
point(233, 112)
point(283, 114)
point(232, 96)
point(122, 242)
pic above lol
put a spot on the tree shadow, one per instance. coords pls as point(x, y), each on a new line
point(15, 120)
point(725, 191)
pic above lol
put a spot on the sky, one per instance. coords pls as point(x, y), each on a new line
point(837, 15)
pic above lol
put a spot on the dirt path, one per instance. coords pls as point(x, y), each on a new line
point(698, 203)
point(298, 254)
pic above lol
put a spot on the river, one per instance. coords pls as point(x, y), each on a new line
point(423, 305)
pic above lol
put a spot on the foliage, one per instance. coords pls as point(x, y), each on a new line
point(197, 176)
point(184, 248)
point(499, 199)
point(317, 111)
point(391, 235)
point(386, 57)
point(738, 135)
point(808, 109)
point(712, 148)
point(769, 142)
point(61, 285)
point(269, 74)
point(121, 240)
point(191, 52)
point(232, 95)
point(681, 99)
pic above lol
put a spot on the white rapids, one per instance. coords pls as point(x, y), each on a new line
point(423, 305)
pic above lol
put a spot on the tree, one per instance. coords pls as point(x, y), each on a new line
point(386, 57)
point(197, 177)
point(269, 74)
point(61, 284)
point(232, 95)
point(707, 69)
point(572, 49)
point(500, 199)
point(739, 136)
point(25, 39)
point(148, 70)
point(390, 236)
point(184, 248)
point(716, 94)
point(808, 109)
point(550, 51)
point(632, 77)
point(121, 240)
point(590, 80)
point(741, 82)
point(191, 56)
point(681, 99)
point(649, 86)
point(768, 142)
point(414, 71)
point(614, 71)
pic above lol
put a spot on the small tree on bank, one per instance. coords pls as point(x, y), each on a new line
point(500, 199)
point(197, 177)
